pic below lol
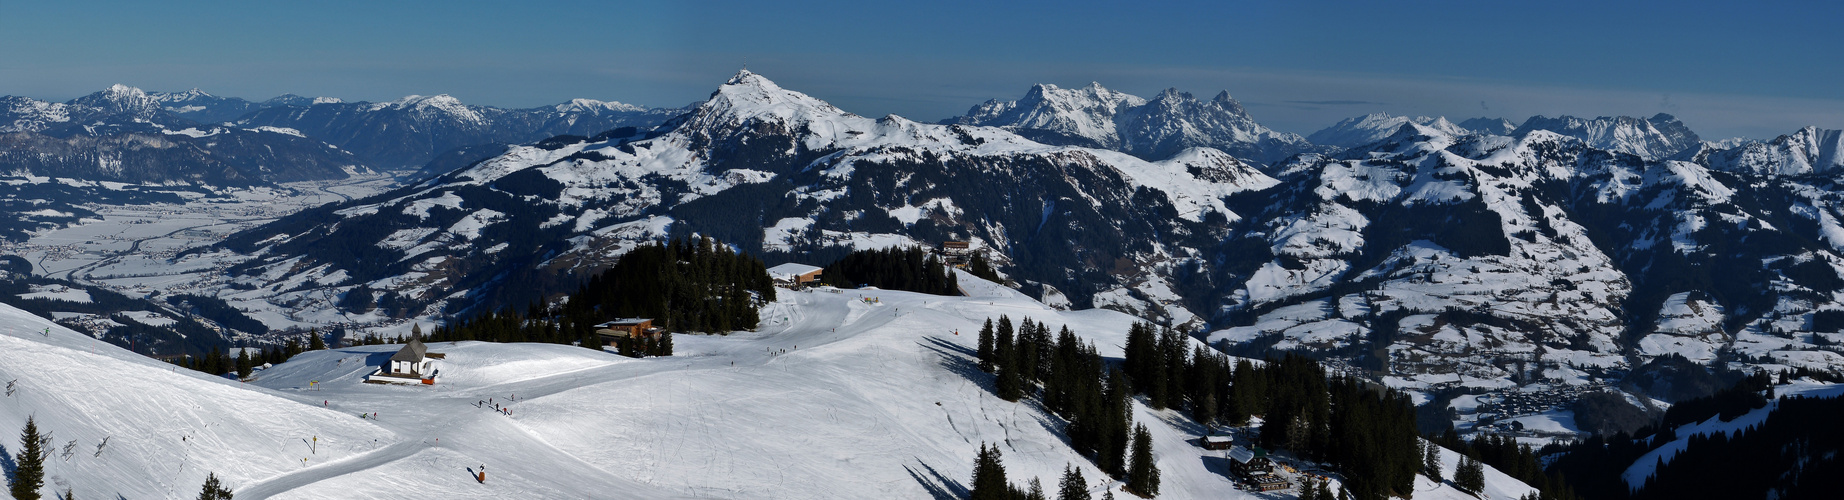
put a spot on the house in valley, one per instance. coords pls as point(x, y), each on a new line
point(791, 274)
point(628, 328)
point(412, 364)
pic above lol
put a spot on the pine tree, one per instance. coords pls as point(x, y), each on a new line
point(213, 490)
point(665, 344)
point(1073, 486)
point(29, 465)
point(1469, 476)
point(314, 342)
point(1010, 385)
point(989, 476)
point(1308, 492)
point(1036, 491)
point(68, 495)
point(1115, 425)
point(1142, 473)
point(986, 345)
point(1431, 462)
point(244, 365)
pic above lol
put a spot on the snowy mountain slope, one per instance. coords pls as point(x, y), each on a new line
point(1353, 132)
point(165, 427)
point(1809, 151)
point(786, 412)
point(1655, 138)
point(756, 166)
point(1153, 129)
point(1511, 259)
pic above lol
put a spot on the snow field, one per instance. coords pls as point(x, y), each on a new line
point(166, 427)
point(834, 397)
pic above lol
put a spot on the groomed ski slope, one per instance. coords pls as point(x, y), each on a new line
point(833, 397)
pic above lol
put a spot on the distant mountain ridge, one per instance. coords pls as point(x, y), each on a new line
point(1096, 117)
point(125, 134)
point(1354, 132)
point(1655, 138)
point(407, 133)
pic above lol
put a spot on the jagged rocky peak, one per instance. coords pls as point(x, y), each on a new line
point(1096, 117)
point(1655, 138)
point(1083, 116)
point(1230, 104)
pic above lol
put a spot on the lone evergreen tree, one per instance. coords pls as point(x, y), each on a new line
point(1036, 491)
point(314, 342)
point(213, 490)
point(29, 471)
point(989, 476)
point(244, 365)
point(1142, 474)
point(986, 347)
point(1073, 486)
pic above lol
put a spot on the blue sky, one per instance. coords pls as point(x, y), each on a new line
point(1757, 69)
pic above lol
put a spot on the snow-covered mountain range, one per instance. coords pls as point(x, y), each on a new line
point(1096, 117)
point(1655, 138)
point(1431, 256)
point(763, 168)
point(124, 134)
point(409, 132)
